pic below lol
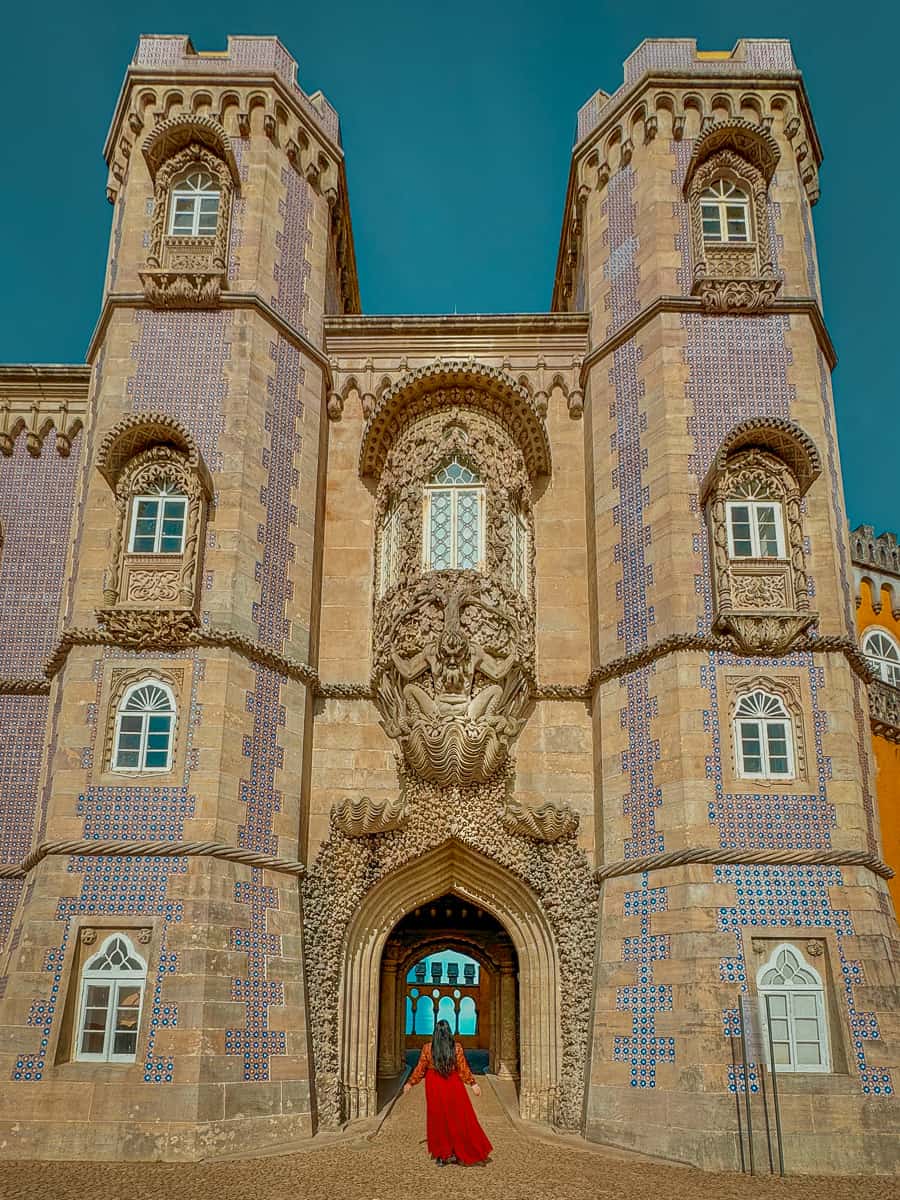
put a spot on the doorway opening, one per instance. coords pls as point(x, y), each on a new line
point(449, 959)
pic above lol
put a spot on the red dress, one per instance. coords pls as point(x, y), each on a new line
point(451, 1123)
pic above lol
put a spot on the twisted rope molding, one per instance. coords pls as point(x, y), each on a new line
point(704, 854)
point(248, 858)
point(24, 687)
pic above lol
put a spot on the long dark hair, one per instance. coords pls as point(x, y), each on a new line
point(443, 1049)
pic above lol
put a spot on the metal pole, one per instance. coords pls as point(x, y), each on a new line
point(762, 1088)
point(774, 1087)
point(737, 1105)
point(747, 1092)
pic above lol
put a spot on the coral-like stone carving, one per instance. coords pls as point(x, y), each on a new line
point(548, 823)
point(147, 629)
point(457, 701)
point(364, 816)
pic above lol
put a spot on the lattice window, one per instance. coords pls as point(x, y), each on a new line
point(763, 737)
point(884, 655)
point(158, 521)
point(454, 519)
point(518, 537)
point(144, 728)
point(795, 1011)
point(109, 1009)
point(194, 205)
point(755, 522)
point(389, 551)
point(725, 211)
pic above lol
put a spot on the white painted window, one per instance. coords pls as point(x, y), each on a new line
point(454, 519)
point(755, 523)
point(518, 536)
point(389, 551)
point(158, 521)
point(883, 653)
point(796, 1011)
point(194, 205)
point(109, 1008)
point(144, 728)
point(725, 211)
point(763, 737)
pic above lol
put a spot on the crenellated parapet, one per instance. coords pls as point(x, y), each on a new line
point(37, 399)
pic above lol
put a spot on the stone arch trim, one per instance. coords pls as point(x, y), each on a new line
point(752, 142)
point(455, 381)
point(141, 431)
point(544, 894)
point(453, 867)
point(170, 137)
point(781, 437)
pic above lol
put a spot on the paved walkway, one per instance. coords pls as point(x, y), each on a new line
point(396, 1166)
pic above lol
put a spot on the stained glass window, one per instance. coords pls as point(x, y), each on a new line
point(454, 519)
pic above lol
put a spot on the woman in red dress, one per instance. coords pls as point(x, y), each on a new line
point(454, 1134)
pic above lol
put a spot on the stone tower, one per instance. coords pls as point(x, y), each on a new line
point(528, 637)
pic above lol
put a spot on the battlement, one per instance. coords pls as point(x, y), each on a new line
point(244, 56)
point(879, 551)
point(680, 57)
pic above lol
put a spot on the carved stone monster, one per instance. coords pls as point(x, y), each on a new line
point(452, 686)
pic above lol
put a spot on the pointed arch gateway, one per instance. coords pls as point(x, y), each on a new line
point(452, 867)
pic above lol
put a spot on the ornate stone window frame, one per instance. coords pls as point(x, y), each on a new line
point(118, 681)
point(188, 272)
point(788, 689)
point(762, 602)
point(790, 990)
point(139, 454)
point(113, 978)
point(734, 276)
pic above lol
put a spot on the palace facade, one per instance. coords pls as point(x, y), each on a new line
point(332, 642)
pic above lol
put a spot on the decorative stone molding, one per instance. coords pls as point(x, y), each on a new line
point(456, 382)
point(728, 276)
point(884, 709)
point(187, 272)
point(787, 688)
point(548, 823)
point(146, 629)
point(136, 579)
point(38, 400)
point(364, 817)
point(120, 681)
point(762, 602)
point(780, 437)
point(737, 857)
point(24, 687)
point(138, 432)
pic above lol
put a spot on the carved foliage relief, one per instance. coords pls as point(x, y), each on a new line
point(454, 649)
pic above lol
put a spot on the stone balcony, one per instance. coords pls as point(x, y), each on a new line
point(884, 709)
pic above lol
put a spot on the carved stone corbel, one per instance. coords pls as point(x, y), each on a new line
point(364, 817)
point(548, 823)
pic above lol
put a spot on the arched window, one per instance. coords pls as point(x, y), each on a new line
point(884, 655)
point(763, 737)
point(755, 521)
point(454, 519)
point(144, 728)
point(158, 519)
point(109, 1010)
point(796, 1011)
point(194, 205)
point(518, 536)
point(725, 210)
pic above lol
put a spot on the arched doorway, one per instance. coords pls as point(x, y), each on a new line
point(454, 960)
point(453, 869)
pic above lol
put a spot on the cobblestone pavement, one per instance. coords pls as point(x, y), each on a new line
point(396, 1166)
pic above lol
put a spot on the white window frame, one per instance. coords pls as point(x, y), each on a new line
point(115, 979)
point(790, 992)
point(181, 191)
point(519, 539)
point(145, 715)
point(455, 490)
point(722, 203)
point(388, 550)
point(165, 494)
point(754, 506)
point(888, 668)
point(763, 721)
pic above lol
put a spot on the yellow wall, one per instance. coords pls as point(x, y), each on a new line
point(887, 754)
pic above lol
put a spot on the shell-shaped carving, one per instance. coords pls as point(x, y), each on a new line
point(364, 816)
point(548, 823)
point(451, 753)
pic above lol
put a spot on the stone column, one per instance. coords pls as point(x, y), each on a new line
point(507, 1041)
point(388, 1032)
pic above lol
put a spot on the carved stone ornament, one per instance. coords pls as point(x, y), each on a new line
point(548, 823)
point(364, 816)
point(454, 650)
point(147, 629)
point(814, 948)
point(88, 936)
point(728, 276)
point(186, 272)
point(763, 603)
point(143, 579)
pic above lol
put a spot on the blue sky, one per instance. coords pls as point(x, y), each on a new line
point(457, 125)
